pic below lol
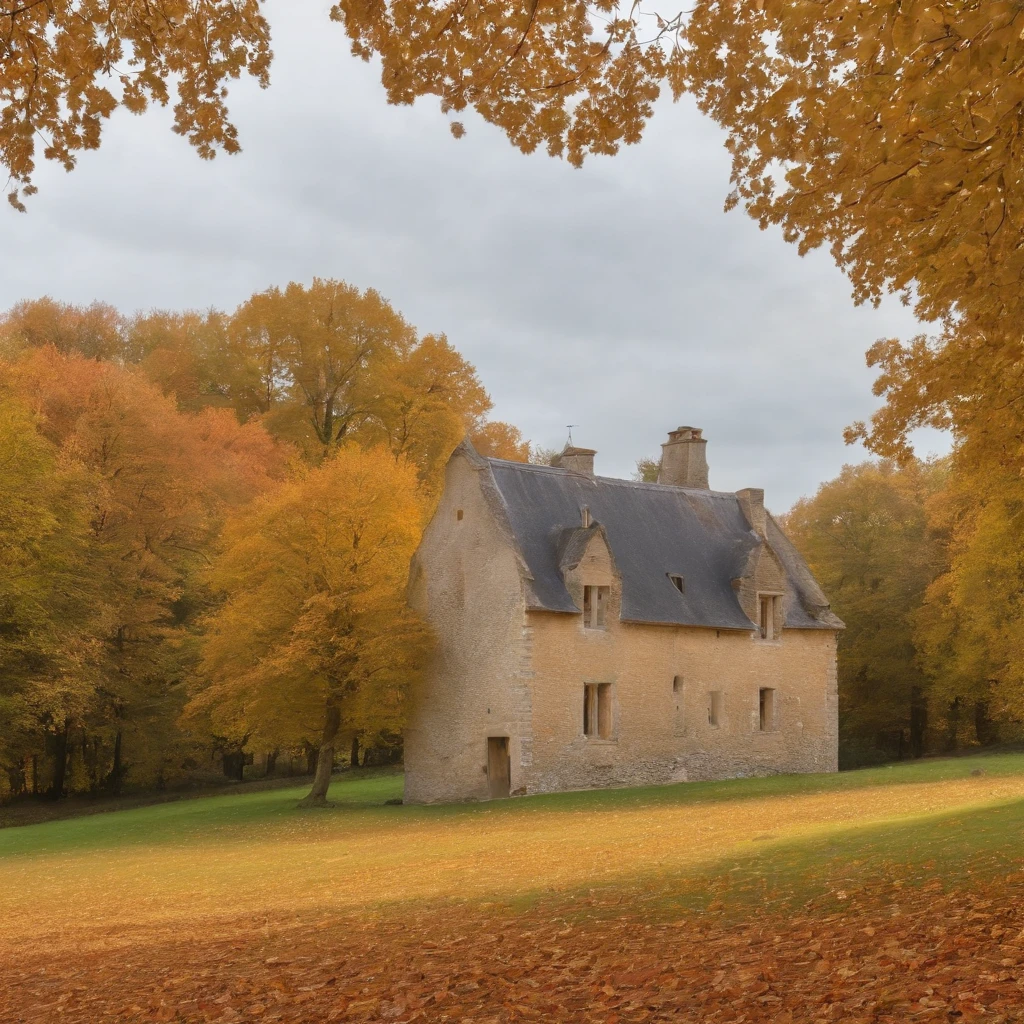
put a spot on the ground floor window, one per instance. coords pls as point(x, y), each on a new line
point(766, 704)
point(715, 708)
point(597, 710)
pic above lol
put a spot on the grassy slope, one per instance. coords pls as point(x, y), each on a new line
point(723, 844)
point(228, 815)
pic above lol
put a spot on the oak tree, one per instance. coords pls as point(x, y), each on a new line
point(67, 65)
point(868, 538)
point(314, 636)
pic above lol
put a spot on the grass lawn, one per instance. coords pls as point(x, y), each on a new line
point(271, 884)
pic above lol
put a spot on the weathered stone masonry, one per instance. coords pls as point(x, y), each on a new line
point(599, 632)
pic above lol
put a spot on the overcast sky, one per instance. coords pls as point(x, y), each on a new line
point(618, 297)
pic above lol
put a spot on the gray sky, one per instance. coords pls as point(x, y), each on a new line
point(618, 297)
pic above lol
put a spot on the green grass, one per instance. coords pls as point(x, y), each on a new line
point(238, 817)
point(736, 846)
point(199, 819)
point(893, 860)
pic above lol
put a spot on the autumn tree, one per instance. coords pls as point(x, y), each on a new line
point(67, 65)
point(971, 626)
point(884, 131)
point(647, 470)
point(328, 363)
point(164, 422)
point(496, 440)
point(868, 538)
point(48, 607)
point(96, 331)
point(314, 636)
point(163, 482)
point(186, 354)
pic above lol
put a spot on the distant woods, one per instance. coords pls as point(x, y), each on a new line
point(165, 474)
point(926, 572)
point(206, 521)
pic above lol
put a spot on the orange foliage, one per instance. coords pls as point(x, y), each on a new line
point(57, 56)
point(934, 958)
point(498, 440)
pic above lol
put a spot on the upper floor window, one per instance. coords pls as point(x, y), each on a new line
point(768, 609)
point(595, 606)
point(766, 709)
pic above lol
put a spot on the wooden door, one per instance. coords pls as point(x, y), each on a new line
point(499, 767)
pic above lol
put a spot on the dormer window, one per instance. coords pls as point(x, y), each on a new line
point(768, 607)
point(678, 582)
point(595, 604)
point(585, 517)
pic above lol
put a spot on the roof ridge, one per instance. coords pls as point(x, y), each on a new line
point(561, 470)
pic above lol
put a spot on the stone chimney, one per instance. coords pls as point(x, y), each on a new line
point(752, 502)
point(577, 460)
point(684, 462)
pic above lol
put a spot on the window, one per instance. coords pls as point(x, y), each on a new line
point(767, 616)
point(678, 582)
point(597, 710)
point(715, 708)
point(766, 702)
point(595, 604)
point(458, 515)
point(678, 722)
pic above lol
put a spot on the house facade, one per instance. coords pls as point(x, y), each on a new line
point(595, 632)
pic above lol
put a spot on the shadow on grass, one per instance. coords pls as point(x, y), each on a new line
point(895, 862)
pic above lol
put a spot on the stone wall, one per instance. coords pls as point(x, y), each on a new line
point(660, 735)
point(465, 579)
point(500, 670)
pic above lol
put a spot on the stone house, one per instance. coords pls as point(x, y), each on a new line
point(595, 632)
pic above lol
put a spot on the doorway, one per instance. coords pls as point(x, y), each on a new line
point(499, 767)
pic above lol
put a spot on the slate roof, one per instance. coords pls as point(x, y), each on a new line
point(652, 530)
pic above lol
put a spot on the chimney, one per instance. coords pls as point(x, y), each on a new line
point(752, 502)
point(576, 460)
point(684, 462)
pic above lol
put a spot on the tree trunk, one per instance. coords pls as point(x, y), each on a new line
point(953, 725)
point(233, 762)
point(271, 762)
point(116, 776)
point(325, 761)
point(918, 721)
point(984, 728)
point(60, 763)
point(312, 756)
point(354, 755)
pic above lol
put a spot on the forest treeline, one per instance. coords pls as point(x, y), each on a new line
point(922, 560)
point(205, 527)
point(206, 521)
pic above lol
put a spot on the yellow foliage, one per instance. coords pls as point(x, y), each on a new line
point(313, 576)
point(867, 537)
